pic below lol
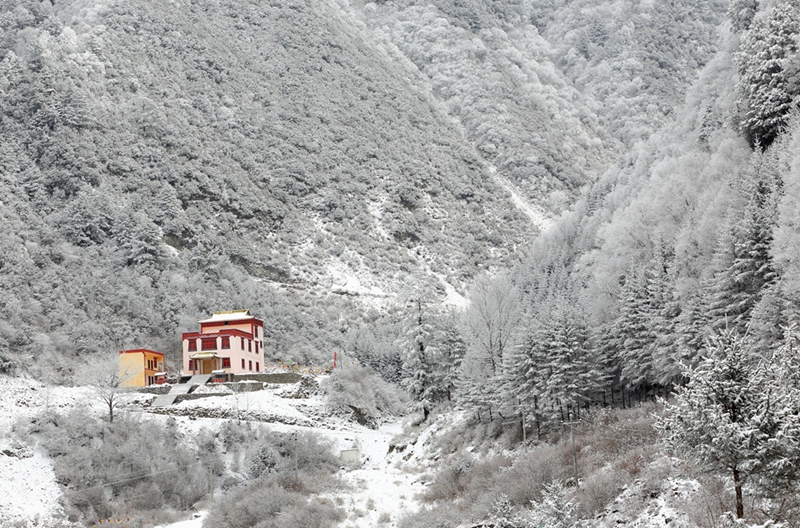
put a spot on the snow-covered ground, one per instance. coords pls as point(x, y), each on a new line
point(28, 490)
point(378, 490)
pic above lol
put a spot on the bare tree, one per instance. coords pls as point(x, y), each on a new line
point(108, 381)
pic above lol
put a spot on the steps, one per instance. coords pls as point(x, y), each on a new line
point(163, 400)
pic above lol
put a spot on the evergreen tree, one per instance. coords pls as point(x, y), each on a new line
point(452, 349)
point(553, 510)
point(503, 514)
point(420, 355)
point(740, 413)
point(572, 376)
point(526, 374)
point(635, 336)
point(766, 87)
point(743, 261)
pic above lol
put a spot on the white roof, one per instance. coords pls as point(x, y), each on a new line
point(230, 315)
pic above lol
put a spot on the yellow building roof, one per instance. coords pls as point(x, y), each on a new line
point(203, 355)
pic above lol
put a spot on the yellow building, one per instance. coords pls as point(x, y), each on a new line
point(138, 367)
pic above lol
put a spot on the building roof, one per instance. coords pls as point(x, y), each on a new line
point(141, 351)
point(204, 355)
point(230, 315)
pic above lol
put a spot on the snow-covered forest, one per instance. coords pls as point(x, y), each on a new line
point(543, 223)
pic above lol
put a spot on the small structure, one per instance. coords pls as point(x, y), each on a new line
point(349, 456)
point(140, 367)
point(228, 342)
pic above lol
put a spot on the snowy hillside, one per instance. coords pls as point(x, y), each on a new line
point(379, 486)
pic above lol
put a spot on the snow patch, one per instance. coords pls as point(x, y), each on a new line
point(536, 214)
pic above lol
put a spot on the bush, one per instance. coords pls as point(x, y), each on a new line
point(273, 501)
point(358, 392)
point(284, 452)
point(130, 467)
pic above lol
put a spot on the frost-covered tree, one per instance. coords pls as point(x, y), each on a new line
point(634, 331)
point(420, 355)
point(743, 263)
point(490, 324)
point(741, 13)
point(504, 515)
point(571, 372)
point(553, 510)
point(766, 85)
point(107, 381)
point(740, 414)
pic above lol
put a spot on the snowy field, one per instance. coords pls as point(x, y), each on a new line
point(383, 486)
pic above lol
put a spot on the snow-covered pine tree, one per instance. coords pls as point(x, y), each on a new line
point(503, 514)
point(452, 349)
point(635, 333)
point(743, 261)
point(786, 245)
point(739, 414)
point(663, 320)
point(419, 352)
point(553, 510)
point(574, 376)
point(766, 92)
point(525, 375)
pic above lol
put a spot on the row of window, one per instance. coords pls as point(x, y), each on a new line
point(226, 363)
point(153, 365)
point(211, 344)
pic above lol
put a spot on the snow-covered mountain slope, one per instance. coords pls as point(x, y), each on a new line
point(307, 160)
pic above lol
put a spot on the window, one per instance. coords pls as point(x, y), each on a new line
point(256, 347)
point(192, 345)
point(250, 364)
point(249, 346)
point(255, 331)
point(256, 366)
point(192, 364)
point(242, 364)
point(226, 362)
point(242, 347)
point(209, 344)
point(226, 342)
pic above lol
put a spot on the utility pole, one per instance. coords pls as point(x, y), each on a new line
point(574, 453)
point(294, 436)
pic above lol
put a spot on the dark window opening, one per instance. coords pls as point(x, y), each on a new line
point(226, 362)
point(209, 344)
point(226, 342)
point(192, 345)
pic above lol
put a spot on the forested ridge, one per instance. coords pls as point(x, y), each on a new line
point(524, 210)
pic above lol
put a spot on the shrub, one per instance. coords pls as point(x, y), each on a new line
point(273, 501)
point(283, 452)
point(359, 392)
point(131, 466)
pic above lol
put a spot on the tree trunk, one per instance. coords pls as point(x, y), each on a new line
point(737, 485)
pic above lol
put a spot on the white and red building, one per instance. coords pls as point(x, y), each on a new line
point(230, 342)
